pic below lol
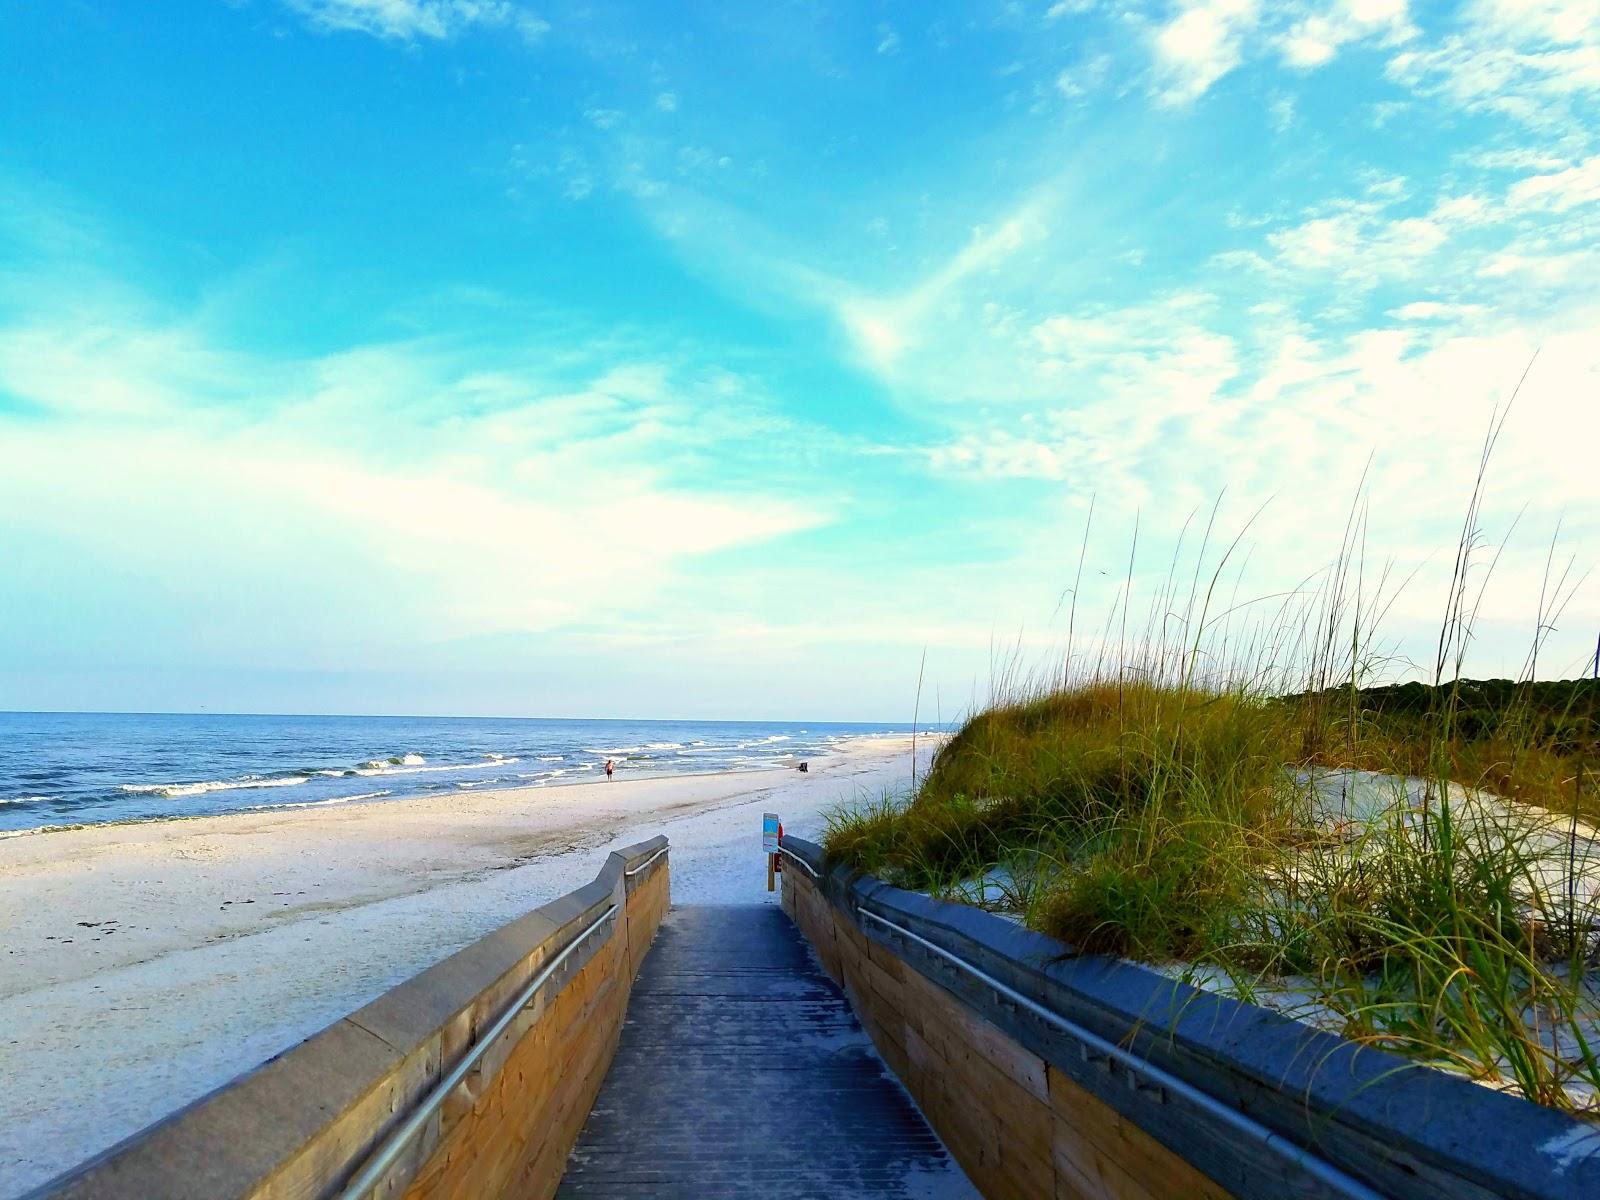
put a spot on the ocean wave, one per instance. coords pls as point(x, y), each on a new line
point(552, 757)
point(316, 803)
point(171, 790)
point(368, 768)
point(23, 799)
point(398, 764)
point(394, 760)
point(554, 773)
point(622, 750)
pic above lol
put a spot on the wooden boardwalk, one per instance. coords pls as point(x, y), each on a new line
point(743, 1072)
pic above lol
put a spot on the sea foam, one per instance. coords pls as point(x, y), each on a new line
point(212, 785)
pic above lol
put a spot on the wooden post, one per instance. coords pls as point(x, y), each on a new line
point(771, 835)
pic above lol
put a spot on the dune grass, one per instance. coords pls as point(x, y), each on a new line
point(1166, 824)
point(1533, 741)
point(1150, 806)
point(1154, 801)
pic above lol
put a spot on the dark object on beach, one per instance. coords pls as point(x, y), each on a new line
point(805, 767)
point(609, 768)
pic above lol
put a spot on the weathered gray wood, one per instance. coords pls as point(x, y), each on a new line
point(742, 1072)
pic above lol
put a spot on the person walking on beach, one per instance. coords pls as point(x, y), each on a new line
point(610, 767)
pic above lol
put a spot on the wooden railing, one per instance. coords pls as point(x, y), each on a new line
point(1053, 1074)
point(471, 1079)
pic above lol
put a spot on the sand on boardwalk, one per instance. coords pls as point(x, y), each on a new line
point(145, 965)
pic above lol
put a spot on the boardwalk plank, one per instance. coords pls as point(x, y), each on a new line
point(743, 1072)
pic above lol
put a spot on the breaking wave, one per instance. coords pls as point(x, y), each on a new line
point(645, 748)
point(212, 785)
point(317, 803)
point(377, 768)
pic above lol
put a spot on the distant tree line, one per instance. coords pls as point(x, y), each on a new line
point(1561, 715)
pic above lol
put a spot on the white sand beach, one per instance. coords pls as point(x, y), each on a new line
point(145, 965)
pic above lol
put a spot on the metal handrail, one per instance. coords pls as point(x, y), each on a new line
point(793, 857)
point(389, 1151)
point(1326, 1172)
point(631, 873)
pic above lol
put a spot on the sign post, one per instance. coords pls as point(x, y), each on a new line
point(769, 842)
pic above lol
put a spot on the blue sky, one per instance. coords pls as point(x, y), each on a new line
point(596, 359)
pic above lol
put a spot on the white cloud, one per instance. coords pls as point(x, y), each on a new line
point(880, 330)
point(1359, 245)
point(1363, 243)
point(1177, 413)
point(1316, 38)
point(408, 20)
point(1525, 58)
point(1204, 40)
point(667, 102)
point(1434, 310)
point(1520, 158)
point(884, 327)
point(1549, 20)
point(1200, 44)
point(480, 502)
point(1507, 54)
point(1559, 191)
point(888, 40)
point(1084, 78)
point(1542, 269)
point(1119, 377)
point(1465, 211)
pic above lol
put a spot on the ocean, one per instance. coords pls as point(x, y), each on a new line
point(86, 768)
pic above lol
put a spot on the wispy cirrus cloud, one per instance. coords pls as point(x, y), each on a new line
point(486, 489)
point(1559, 191)
point(1316, 37)
point(1529, 59)
point(410, 20)
point(1198, 42)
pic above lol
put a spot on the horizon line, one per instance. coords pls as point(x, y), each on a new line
point(128, 712)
